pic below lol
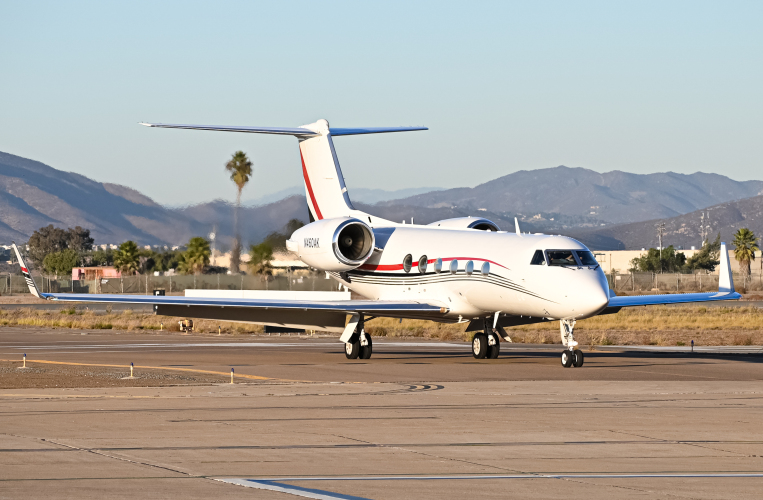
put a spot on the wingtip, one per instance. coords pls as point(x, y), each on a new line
point(146, 124)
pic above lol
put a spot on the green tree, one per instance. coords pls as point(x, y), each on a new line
point(260, 257)
point(240, 169)
point(708, 256)
point(46, 240)
point(101, 257)
point(61, 262)
point(196, 256)
point(745, 245)
point(277, 240)
point(127, 257)
point(669, 261)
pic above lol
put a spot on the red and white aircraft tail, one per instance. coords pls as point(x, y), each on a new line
point(326, 192)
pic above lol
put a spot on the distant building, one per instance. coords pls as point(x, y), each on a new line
point(94, 273)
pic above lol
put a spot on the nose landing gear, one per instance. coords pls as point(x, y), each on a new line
point(571, 356)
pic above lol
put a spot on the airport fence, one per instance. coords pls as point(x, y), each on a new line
point(175, 285)
point(146, 284)
point(679, 282)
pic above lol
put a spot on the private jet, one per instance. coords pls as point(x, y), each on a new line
point(461, 270)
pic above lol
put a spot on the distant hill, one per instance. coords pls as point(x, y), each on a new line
point(683, 230)
point(33, 195)
point(363, 195)
point(557, 200)
point(612, 197)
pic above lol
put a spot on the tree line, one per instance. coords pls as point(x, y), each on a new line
point(672, 261)
point(58, 251)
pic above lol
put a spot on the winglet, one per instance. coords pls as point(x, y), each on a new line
point(516, 226)
point(27, 275)
point(725, 279)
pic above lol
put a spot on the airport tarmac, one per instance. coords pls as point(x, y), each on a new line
point(421, 419)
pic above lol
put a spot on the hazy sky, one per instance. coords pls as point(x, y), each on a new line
point(641, 87)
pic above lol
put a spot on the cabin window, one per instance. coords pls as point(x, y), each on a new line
point(438, 266)
point(423, 264)
point(469, 268)
point(586, 258)
point(407, 263)
point(538, 259)
point(453, 266)
point(561, 258)
point(486, 268)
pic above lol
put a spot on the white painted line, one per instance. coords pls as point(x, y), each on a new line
point(291, 490)
point(529, 475)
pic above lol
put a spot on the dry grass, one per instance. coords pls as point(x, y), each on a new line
point(658, 325)
point(123, 320)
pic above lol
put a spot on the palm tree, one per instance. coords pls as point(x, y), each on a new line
point(260, 257)
point(240, 169)
point(127, 257)
point(745, 243)
point(196, 256)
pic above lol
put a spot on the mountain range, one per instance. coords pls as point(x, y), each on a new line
point(609, 210)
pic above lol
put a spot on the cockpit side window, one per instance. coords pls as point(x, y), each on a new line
point(561, 258)
point(586, 258)
point(538, 259)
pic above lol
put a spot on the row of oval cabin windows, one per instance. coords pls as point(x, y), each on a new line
point(438, 266)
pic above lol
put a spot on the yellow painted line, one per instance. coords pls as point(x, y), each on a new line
point(192, 370)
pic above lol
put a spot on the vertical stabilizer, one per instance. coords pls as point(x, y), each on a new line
point(324, 184)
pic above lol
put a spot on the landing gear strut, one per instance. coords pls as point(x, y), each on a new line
point(486, 344)
point(571, 356)
point(360, 344)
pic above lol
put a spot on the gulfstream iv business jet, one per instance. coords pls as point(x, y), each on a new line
point(463, 270)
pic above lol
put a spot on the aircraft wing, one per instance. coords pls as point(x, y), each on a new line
point(674, 298)
point(314, 315)
point(725, 291)
point(372, 307)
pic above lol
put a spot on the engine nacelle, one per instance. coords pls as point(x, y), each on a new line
point(339, 244)
point(468, 223)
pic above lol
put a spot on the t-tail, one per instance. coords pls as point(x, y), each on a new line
point(326, 193)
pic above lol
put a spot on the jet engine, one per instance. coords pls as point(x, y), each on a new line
point(468, 223)
point(339, 244)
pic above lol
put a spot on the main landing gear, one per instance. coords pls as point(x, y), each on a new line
point(571, 356)
point(486, 344)
point(360, 344)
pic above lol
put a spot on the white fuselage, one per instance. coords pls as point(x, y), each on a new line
point(511, 284)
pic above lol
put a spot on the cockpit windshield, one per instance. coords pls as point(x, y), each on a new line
point(561, 258)
point(586, 258)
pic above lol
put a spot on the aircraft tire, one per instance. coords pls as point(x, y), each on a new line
point(578, 358)
point(479, 346)
point(352, 349)
point(366, 350)
point(494, 350)
point(567, 357)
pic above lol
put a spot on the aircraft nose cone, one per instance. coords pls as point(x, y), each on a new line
point(593, 295)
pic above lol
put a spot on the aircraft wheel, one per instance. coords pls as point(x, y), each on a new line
point(352, 349)
point(365, 350)
point(567, 358)
point(578, 358)
point(479, 346)
point(494, 350)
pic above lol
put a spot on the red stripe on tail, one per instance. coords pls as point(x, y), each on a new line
point(310, 187)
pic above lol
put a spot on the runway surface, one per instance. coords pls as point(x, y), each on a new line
point(418, 420)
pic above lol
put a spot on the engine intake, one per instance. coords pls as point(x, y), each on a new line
point(340, 244)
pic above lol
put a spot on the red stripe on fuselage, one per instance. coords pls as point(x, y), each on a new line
point(399, 267)
point(310, 187)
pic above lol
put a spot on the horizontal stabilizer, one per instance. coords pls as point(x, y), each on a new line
point(295, 131)
point(372, 130)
